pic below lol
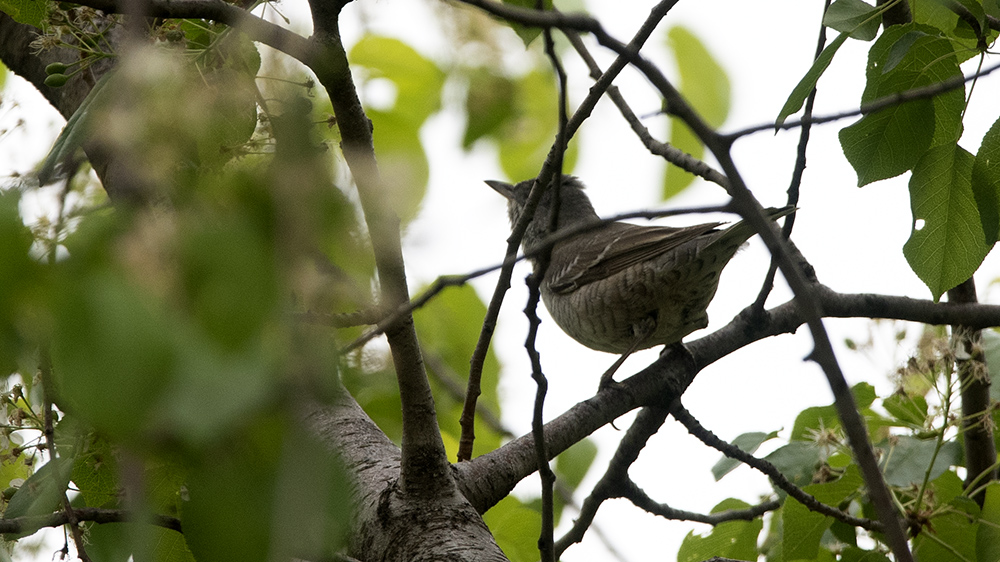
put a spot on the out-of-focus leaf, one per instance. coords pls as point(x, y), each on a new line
point(855, 554)
point(487, 105)
point(22, 280)
point(396, 129)
point(77, 128)
point(946, 244)
point(747, 442)
point(42, 493)
point(275, 491)
point(526, 33)
point(736, 540)
point(572, 464)
point(825, 417)
point(705, 85)
point(112, 352)
point(524, 141)
point(909, 410)
point(988, 536)
point(449, 330)
point(515, 528)
point(857, 18)
point(986, 183)
point(954, 538)
point(31, 12)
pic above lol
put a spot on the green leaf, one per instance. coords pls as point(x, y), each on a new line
point(396, 129)
point(515, 528)
point(276, 490)
point(986, 183)
point(988, 536)
point(417, 79)
point(76, 129)
point(802, 528)
point(23, 281)
point(112, 352)
point(909, 410)
point(704, 84)
point(855, 554)
point(31, 12)
point(42, 493)
point(889, 142)
point(953, 538)
point(747, 442)
point(892, 140)
point(95, 473)
point(487, 105)
point(854, 17)
point(909, 457)
point(736, 540)
point(801, 91)
point(946, 244)
point(825, 417)
point(526, 140)
point(526, 33)
point(448, 326)
point(797, 461)
point(572, 464)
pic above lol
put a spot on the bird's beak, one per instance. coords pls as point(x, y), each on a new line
point(505, 189)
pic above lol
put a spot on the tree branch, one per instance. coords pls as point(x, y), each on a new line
point(974, 379)
point(31, 523)
point(707, 437)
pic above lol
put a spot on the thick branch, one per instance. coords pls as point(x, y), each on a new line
point(974, 377)
point(424, 465)
point(489, 478)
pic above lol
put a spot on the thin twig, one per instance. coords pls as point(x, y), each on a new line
point(707, 437)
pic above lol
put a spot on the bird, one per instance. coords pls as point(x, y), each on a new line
point(622, 287)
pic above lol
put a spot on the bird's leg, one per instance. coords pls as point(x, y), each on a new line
point(641, 331)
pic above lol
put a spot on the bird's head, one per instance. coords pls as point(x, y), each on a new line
point(574, 205)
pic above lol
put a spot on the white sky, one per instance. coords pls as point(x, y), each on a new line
point(852, 236)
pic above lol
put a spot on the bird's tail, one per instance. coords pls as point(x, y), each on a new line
point(740, 232)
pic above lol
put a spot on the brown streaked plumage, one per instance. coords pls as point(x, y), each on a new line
point(622, 287)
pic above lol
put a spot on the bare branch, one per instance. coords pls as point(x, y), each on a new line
point(31, 523)
point(707, 437)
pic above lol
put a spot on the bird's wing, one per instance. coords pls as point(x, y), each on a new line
point(596, 255)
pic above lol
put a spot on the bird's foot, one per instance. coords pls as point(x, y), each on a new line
point(607, 379)
point(641, 331)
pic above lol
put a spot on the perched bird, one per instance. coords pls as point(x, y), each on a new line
point(623, 287)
